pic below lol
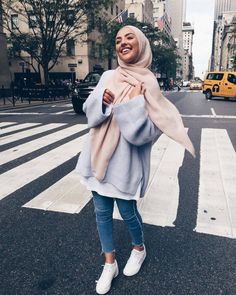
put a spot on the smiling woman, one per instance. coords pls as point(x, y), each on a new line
point(127, 46)
point(126, 113)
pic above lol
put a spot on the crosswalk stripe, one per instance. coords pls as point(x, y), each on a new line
point(23, 134)
point(33, 145)
point(6, 124)
point(67, 195)
point(160, 203)
point(217, 190)
point(18, 127)
point(29, 171)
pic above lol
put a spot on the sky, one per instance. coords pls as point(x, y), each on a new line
point(201, 14)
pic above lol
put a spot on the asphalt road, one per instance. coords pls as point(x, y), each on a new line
point(53, 252)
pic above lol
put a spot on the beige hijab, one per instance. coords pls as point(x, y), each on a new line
point(105, 137)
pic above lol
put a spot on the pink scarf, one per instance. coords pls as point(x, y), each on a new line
point(105, 137)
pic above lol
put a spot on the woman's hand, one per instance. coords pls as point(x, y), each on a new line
point(108, 97)
point(137, 90)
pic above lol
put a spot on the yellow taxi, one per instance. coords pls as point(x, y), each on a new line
point(221, 84)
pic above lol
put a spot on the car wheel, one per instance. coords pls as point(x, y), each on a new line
point(77, 105)
point(208, 94)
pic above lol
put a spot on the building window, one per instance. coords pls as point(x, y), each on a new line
point(117, 10)
point(14, 21)
point(70, 47)
point(91, 21)
point(99, 24)
point(93, 49)
point(100, 51)
point(32, 21)
point(112, 9)
point(132, 15)
point(70, 18)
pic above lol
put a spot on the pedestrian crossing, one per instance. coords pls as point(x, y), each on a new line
point(216, 213)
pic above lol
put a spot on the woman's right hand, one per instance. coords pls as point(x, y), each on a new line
point(137, 90)
point(108, 97)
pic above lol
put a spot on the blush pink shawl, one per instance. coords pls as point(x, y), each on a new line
point(105, 137)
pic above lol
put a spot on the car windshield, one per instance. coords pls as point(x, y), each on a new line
point(92, 77)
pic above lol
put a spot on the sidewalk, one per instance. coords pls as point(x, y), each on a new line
point(8, 105)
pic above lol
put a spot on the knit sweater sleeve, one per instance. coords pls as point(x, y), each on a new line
point(134, 122)
point(93, 107)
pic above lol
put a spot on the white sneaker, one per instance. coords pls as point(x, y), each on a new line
point(134, 262)
point(110, 271)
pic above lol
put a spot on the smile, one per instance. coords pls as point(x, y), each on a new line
point(125, 50)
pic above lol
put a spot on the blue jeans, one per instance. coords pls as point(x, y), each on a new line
point(128, 210)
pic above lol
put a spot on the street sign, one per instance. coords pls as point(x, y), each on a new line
point(72, 65)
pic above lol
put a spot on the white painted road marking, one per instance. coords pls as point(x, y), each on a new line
point(67, 195)
point(33, 145)
point(217, 191)
point(5, 124)
point(18, 127)
point(213, 112)
point(24, 134)
point(29, 171)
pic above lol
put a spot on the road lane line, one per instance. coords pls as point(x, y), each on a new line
point(213, 112)
point(27, 133)
point(217, 189)
point(18, 127)
point(63, 112)
point(16, 178)
point(160, 203)
point(67, 195)
point(34, 145)
point(209, 116)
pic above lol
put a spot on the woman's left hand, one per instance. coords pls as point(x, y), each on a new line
point(137, 90)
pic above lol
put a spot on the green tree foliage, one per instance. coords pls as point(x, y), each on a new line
point(48, 25)
point(165, 57)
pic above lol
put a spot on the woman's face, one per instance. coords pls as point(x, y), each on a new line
point(127, 46)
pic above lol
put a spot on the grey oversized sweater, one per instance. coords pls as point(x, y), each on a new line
point(130, 163)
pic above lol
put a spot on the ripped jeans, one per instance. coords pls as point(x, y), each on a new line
point(128, 210)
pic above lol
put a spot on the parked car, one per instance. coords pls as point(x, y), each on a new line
point(83, 89)
point(196, 85)
point(221, 84)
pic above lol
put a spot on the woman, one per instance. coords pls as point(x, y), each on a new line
point(126, 112)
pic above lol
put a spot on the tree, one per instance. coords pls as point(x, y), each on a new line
point(48, 26)
point(165, 57)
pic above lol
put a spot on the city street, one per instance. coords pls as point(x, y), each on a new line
point(49, 242)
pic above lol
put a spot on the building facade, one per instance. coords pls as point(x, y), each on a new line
point(188, 32)
point(221, 6)
point(79, 57)
point(160, 17)
point(176, 9)
point(228, 50)
point(5, 78)
point(141, 10)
